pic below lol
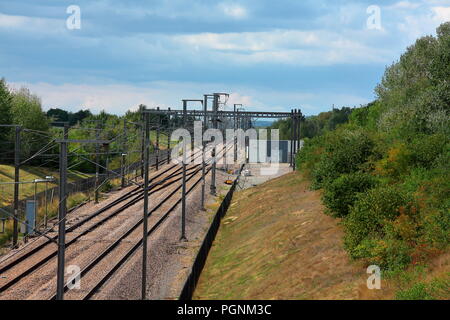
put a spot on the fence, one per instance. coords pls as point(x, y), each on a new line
point(199, 262)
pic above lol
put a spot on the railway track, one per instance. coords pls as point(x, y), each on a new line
point(134, 193)
point(159, 182)
point(137, 243)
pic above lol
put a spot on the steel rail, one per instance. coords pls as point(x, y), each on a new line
point(90, 217)
point(136, 246)
point(73, 227)
point(118, 241)
point(83, 233)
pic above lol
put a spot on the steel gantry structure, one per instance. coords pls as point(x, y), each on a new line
point(241, 119)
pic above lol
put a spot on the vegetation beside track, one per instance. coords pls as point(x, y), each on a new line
point(276, 242)
point(387, 171)
point(29, 173)
point(383, 173)
point(267, 247)
point(52, 211)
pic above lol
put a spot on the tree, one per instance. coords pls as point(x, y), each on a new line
point(5, 110)
point(415, 91)
point(77, 117)
point(58, 114)
point(26, 110)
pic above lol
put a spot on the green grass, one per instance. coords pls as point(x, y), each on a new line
point(438, 288)
point(28, 173)
point(72, 201)
point(162, 140)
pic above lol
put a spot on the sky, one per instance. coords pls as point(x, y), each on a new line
point(269, 55)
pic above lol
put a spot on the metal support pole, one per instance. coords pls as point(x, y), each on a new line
point(157, 140)
point(291, 160)
point(142, 140)
point(168, 138)
point(184, 113)
point(146, 196)
point(107, 162)
point(234, 136)
point(97, 166)
point(295, 138)
point(183, 196)
point(16, 184)
point(62, 220)
point(35, 205)
point(46, 205)
point(213, 170)
point(298, 129)
point(205, 108)
point(124, 146)
point(183, 190)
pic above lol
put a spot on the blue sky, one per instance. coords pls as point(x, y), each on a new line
point(270, 55)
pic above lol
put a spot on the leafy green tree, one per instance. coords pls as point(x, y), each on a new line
point(57, 114)
point(5, 111)
point(26, 110)
point(76, 117)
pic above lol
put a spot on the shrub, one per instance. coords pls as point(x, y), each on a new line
point(340, 194)
point(309, 154)
point(395, 163)
point(435, 228)
point(344, 152)
point(371, 211)
point(426, 149)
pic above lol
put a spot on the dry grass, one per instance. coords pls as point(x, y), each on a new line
point(276, 243)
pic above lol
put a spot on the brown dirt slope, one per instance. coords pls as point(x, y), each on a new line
point(276, 243)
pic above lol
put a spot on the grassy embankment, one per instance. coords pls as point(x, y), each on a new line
point(276, 242)
point(29, 173)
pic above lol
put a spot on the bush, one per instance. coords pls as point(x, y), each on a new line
point(345, 151)
point(437, 289)
point(309, 154)
point(426, 149)
point(340, 194)
point(370, 213)
point(396, 162)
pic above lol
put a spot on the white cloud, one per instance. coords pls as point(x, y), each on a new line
point(115, 98)
point(236, 98)
point(407, 5)
point(441, 14)
point(233, 10)
point(31, 24)
point(287, 46)
point(119, 98)
point(415, 26)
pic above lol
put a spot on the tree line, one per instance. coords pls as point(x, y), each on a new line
point(40, 128)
